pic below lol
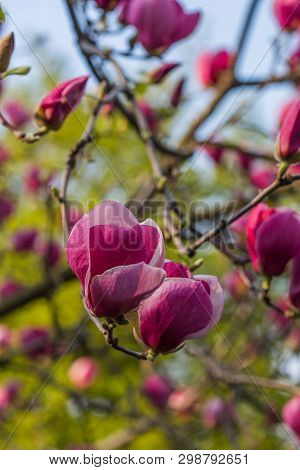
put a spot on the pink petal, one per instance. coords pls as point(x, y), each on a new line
point(294, 292)
point(121, 289)
point(217, 299)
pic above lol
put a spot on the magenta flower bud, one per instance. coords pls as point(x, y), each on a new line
point(215, 411)
point(287, 13)
point(8, 393)
point(262, 175)
point(244, 160)
point(288, 139)
point(107, 4)
point(159, 24)
point(179, 310)
point(35, 342)
point(9, 288)
point(149, 114)
point(273, 238)
point(7, 207)
point(60, 102)
point(211, 66)
point(284, 111)
point(4, 154)
point(281, 322)
point(50, 251)
point(33, 180)
point(157, 75)
point(24, 240)
point(291, 415)
point(117, 260)
point(5, 337)
point(235, 285)
point(183, 400)
point(177, 270)
point(215, 153)
point(157, 389)
point(294, 291)
point(83, 372)
point(16, 113)
point(177, 93)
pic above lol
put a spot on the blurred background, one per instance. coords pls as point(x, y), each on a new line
point(49, 400)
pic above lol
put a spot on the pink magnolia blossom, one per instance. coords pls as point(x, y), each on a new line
point(262, 175)
point(211, 66)
point(284, 110)
point(216, 411)
point(33, 180)
point(294, 291)
point(177, 270)
point(60, 102)
point(16, 113)
point(117, 260)
point(50, 251)
point(235, 285)
point(288, 139)
point(159, 24)
point(149, 114)
point(7, 207)
point(35, 342)
point(291, 415)
point(183, 400)
point(157, 389)
point(180, 309)
point(8, 393)
point(24, 240)
point(5, 336)
point(9, 288)
point(157, 75)
point(287, 13)
point(273, 238)
point(83, 372)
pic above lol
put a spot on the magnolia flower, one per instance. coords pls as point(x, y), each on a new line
point(288, 139)
point(262, 175)
point(9, 288)
point(180, 309)
point(157, 389)
point(117, 260)
point(159, 24)
point(216, 411)
point(36, 342)
point(287, 13)
point(183, 400)
point(83, 372)
point(157, 75)
point(294, 292)
point(291, 415)
point(211, 66)
point(16, 113)
point(24, 240)
point(273, 238)
point(60, 102)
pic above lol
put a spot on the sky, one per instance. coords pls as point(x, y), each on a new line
point(219, 28)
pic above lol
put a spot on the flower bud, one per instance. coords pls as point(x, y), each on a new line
point(149, 114)
point(157, 75)
point(262, 175)
point(16, 114)
point(216, 411)
point(60, 102)
point(83, 372)
point(107, 4)
point(291, 415)
point(24, 240)
point(7, 207)
point(273, 238)
point(211, 66)
point(178, 310)
point(183, 400)
point(35, 342)
point(7, 45)
point(235, 285)
point(9, 288)
point(5, 336)
point(288, 139)
point(157, 389)
point(287, 13)
point(177, 93)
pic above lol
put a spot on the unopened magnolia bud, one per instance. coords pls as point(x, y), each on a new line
point(6, 49)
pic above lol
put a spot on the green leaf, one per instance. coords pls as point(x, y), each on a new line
point(2, 15)
point(24, 70)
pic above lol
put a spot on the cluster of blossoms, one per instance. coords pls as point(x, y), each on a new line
point(121, 266)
